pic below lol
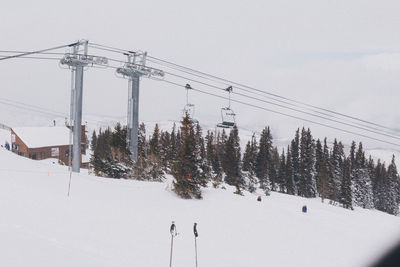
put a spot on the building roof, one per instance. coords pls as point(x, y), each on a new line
point(35, 137)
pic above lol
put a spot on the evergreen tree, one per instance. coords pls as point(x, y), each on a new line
point(336, 161)
point(319, 158)
point(295, 150)
point(173, 150)
point(264, 160)
point(93, 141)
point(185, 169)
point(249, 162)
point(155, 141)
point(273, 169)
point(361, 180)
point(392, 206)
point(232, 161)
point(307, 186)
point(204, 169)
point(379, 186)
point(281, 181)
point(290, 186)
point(345, 187)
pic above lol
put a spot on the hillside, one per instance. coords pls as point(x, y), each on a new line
point(107, 222)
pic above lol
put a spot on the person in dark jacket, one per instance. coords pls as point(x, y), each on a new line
point(304, 209)
point(195, 230)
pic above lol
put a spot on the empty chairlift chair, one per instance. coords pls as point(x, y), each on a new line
point(227, 114)
point(189, 108)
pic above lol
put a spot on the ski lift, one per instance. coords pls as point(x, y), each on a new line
point(189, 108)
point(227, 114)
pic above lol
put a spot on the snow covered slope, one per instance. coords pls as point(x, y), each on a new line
point(108, 222)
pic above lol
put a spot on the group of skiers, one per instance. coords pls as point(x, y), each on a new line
point(174, 233)
point(303, 209)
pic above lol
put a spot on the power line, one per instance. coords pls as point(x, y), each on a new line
point(38, 51)
point(286, 115)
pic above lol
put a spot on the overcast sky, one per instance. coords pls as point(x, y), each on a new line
point(340, 55)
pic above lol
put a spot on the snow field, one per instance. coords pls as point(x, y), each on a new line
point(108, 222)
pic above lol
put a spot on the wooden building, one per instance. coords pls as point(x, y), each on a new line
point(44, 142)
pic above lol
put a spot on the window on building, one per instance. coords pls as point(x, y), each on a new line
point(15, 146)
point(32, 155)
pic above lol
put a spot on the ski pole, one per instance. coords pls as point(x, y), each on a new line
point(170, 257)
point(195, 240)
point(172, 230)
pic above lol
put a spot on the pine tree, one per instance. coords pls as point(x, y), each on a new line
point(185, 169)
point(201, 156)
point(345, 187)
point(249, 162)
point(319, 158)
point(232, 161)
point(93, 141)
point(379, 186)
point(173, 151)
point(336, 162)
point(273, 169)
point(282, 173)
point(307, 186)
point(264, 160)
point(290, 186)
point(361, 180)
point(165, 145)
point(155, 141)
point(392, 206)
point(295, 150)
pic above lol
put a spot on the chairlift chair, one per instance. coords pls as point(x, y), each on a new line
point(189, 108)
point(227, 114)
point(228, 118)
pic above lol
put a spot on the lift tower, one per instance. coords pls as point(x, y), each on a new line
point(133, 69)
point(77, 62)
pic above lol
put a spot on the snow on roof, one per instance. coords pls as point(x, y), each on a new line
point(35, 137)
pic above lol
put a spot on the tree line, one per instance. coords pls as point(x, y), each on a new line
point(307, 167)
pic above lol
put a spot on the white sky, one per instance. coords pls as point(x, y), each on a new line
point(340, 55)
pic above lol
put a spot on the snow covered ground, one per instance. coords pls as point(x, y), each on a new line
point(107, 222)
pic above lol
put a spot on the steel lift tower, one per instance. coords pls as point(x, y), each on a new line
point(77, 62)
point(133, 70)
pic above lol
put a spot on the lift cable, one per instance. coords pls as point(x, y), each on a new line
point(374, 130)
point(204, 75)
point(284, 114)
point(228, 82)
point(282, 101)
point(38, 51)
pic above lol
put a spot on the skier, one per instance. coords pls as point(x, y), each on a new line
point(7, 146)
point(259, 198)
point(304, 209)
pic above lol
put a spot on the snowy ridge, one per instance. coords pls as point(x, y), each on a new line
point(108, 222)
